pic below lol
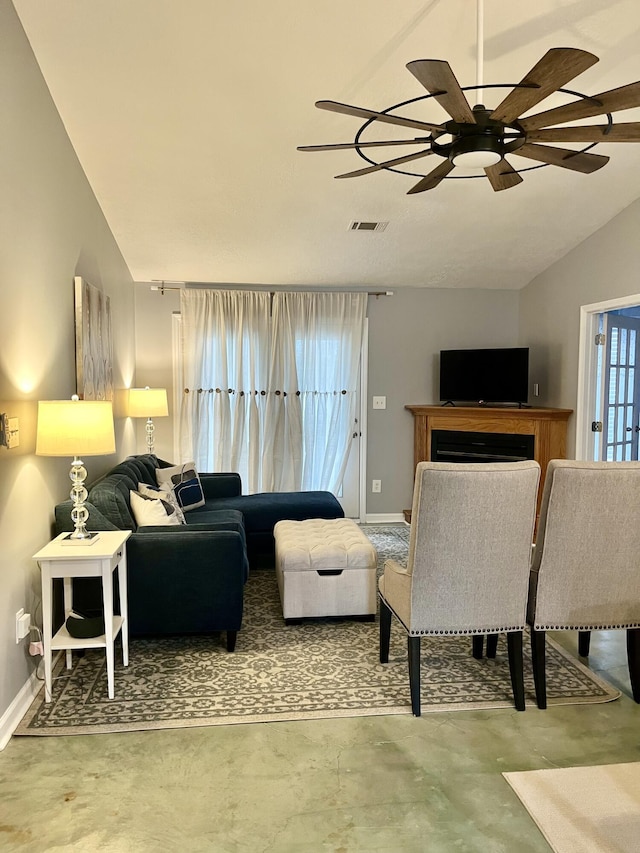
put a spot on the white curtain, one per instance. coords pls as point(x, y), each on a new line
point(226, 343)
point(271, 385)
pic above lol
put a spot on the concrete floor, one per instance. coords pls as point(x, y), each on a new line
point(392, 784)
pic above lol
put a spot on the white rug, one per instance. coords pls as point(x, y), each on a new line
point(584, 809)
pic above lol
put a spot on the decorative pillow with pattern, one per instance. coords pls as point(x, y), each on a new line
point(152, 511)
point(166, 494)
point(185, 482)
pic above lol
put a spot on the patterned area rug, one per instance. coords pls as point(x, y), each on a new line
point(320, 668)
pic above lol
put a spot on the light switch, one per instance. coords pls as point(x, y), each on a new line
point(379, 402)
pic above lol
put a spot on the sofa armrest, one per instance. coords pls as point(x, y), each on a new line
point(221, 485)
point(188, 549)
point(183, 581)
point(184, 534)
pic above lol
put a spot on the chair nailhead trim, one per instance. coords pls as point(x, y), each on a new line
point(469, 632)
point(599, 627)
point(465, 632)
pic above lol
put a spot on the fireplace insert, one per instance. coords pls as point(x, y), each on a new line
point(461, 446)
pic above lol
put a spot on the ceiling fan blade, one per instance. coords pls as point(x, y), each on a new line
point(433, 178)
point(629, 132)
point(437, 78)
point(503, 176)
point(575, 160)
point(375, 168)
point(361, 112)
point(624, 98)
point(557, 67)
point(339, 146)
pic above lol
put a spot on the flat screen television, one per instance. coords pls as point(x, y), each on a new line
point(485, 375)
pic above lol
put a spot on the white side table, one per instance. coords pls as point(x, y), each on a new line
point(99, 559)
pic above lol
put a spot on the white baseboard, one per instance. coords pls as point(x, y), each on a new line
point(18, 708)
point(384, 518)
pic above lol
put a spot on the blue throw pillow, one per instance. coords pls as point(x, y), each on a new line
point(185, 482)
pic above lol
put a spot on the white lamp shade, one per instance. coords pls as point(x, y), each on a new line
point(75, 428)
point(147, 403)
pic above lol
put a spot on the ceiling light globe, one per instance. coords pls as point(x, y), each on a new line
point(476, 159)
point(476, 151)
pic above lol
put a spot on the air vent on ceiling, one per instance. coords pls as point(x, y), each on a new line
point(368, 226)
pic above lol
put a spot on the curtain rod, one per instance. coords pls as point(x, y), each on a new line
point(161, 287)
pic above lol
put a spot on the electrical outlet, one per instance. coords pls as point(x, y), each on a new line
point(376, 486)
point(379, 402)
point(23, 621)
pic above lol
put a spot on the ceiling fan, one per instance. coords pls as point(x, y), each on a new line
point(481, 138)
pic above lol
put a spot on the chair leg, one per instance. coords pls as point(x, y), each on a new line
point(232, 636)
point(385, 631)
point(413, 645)
point(478, 645)
point(633, 657)
point(538, 661)
point(584, 641)
point(492, 645)
point(516, 669)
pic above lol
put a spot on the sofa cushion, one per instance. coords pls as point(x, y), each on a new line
point(142, 472)
point(150, 462)
point(111, 496)
point(263, 510)
point(216, 516)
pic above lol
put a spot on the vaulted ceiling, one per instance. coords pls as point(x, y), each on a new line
point(186, 115)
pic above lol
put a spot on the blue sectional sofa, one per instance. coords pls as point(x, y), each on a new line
point(190, 578)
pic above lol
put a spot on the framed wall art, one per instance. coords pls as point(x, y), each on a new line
point(94, 352)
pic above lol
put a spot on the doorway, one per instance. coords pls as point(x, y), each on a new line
point(608, 411)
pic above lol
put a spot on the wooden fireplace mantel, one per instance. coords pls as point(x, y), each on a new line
point(547, 426)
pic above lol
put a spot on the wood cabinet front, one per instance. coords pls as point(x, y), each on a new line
point(547, 426)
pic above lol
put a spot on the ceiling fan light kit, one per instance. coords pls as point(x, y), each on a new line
point(476, 152)
point(480, 138)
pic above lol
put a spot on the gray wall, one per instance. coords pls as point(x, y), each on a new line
point(51, 229)
point(601, 268)
point(406, 333)
point(154, 359)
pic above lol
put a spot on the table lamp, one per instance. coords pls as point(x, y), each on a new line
point(76, 428)
point(148, 403)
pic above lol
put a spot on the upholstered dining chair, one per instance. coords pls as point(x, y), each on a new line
point(468, 564)
point(585, 573)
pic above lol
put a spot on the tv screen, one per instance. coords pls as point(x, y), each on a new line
point(485, 375)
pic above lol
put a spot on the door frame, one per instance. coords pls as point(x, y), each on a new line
point(587, 378)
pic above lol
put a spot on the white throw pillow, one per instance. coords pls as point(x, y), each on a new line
point(165, 494)
point(152, 511)
point(184, 481)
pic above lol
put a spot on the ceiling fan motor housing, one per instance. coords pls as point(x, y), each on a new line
point(475, 145)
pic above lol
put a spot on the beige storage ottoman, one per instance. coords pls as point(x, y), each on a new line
point(325, 567)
